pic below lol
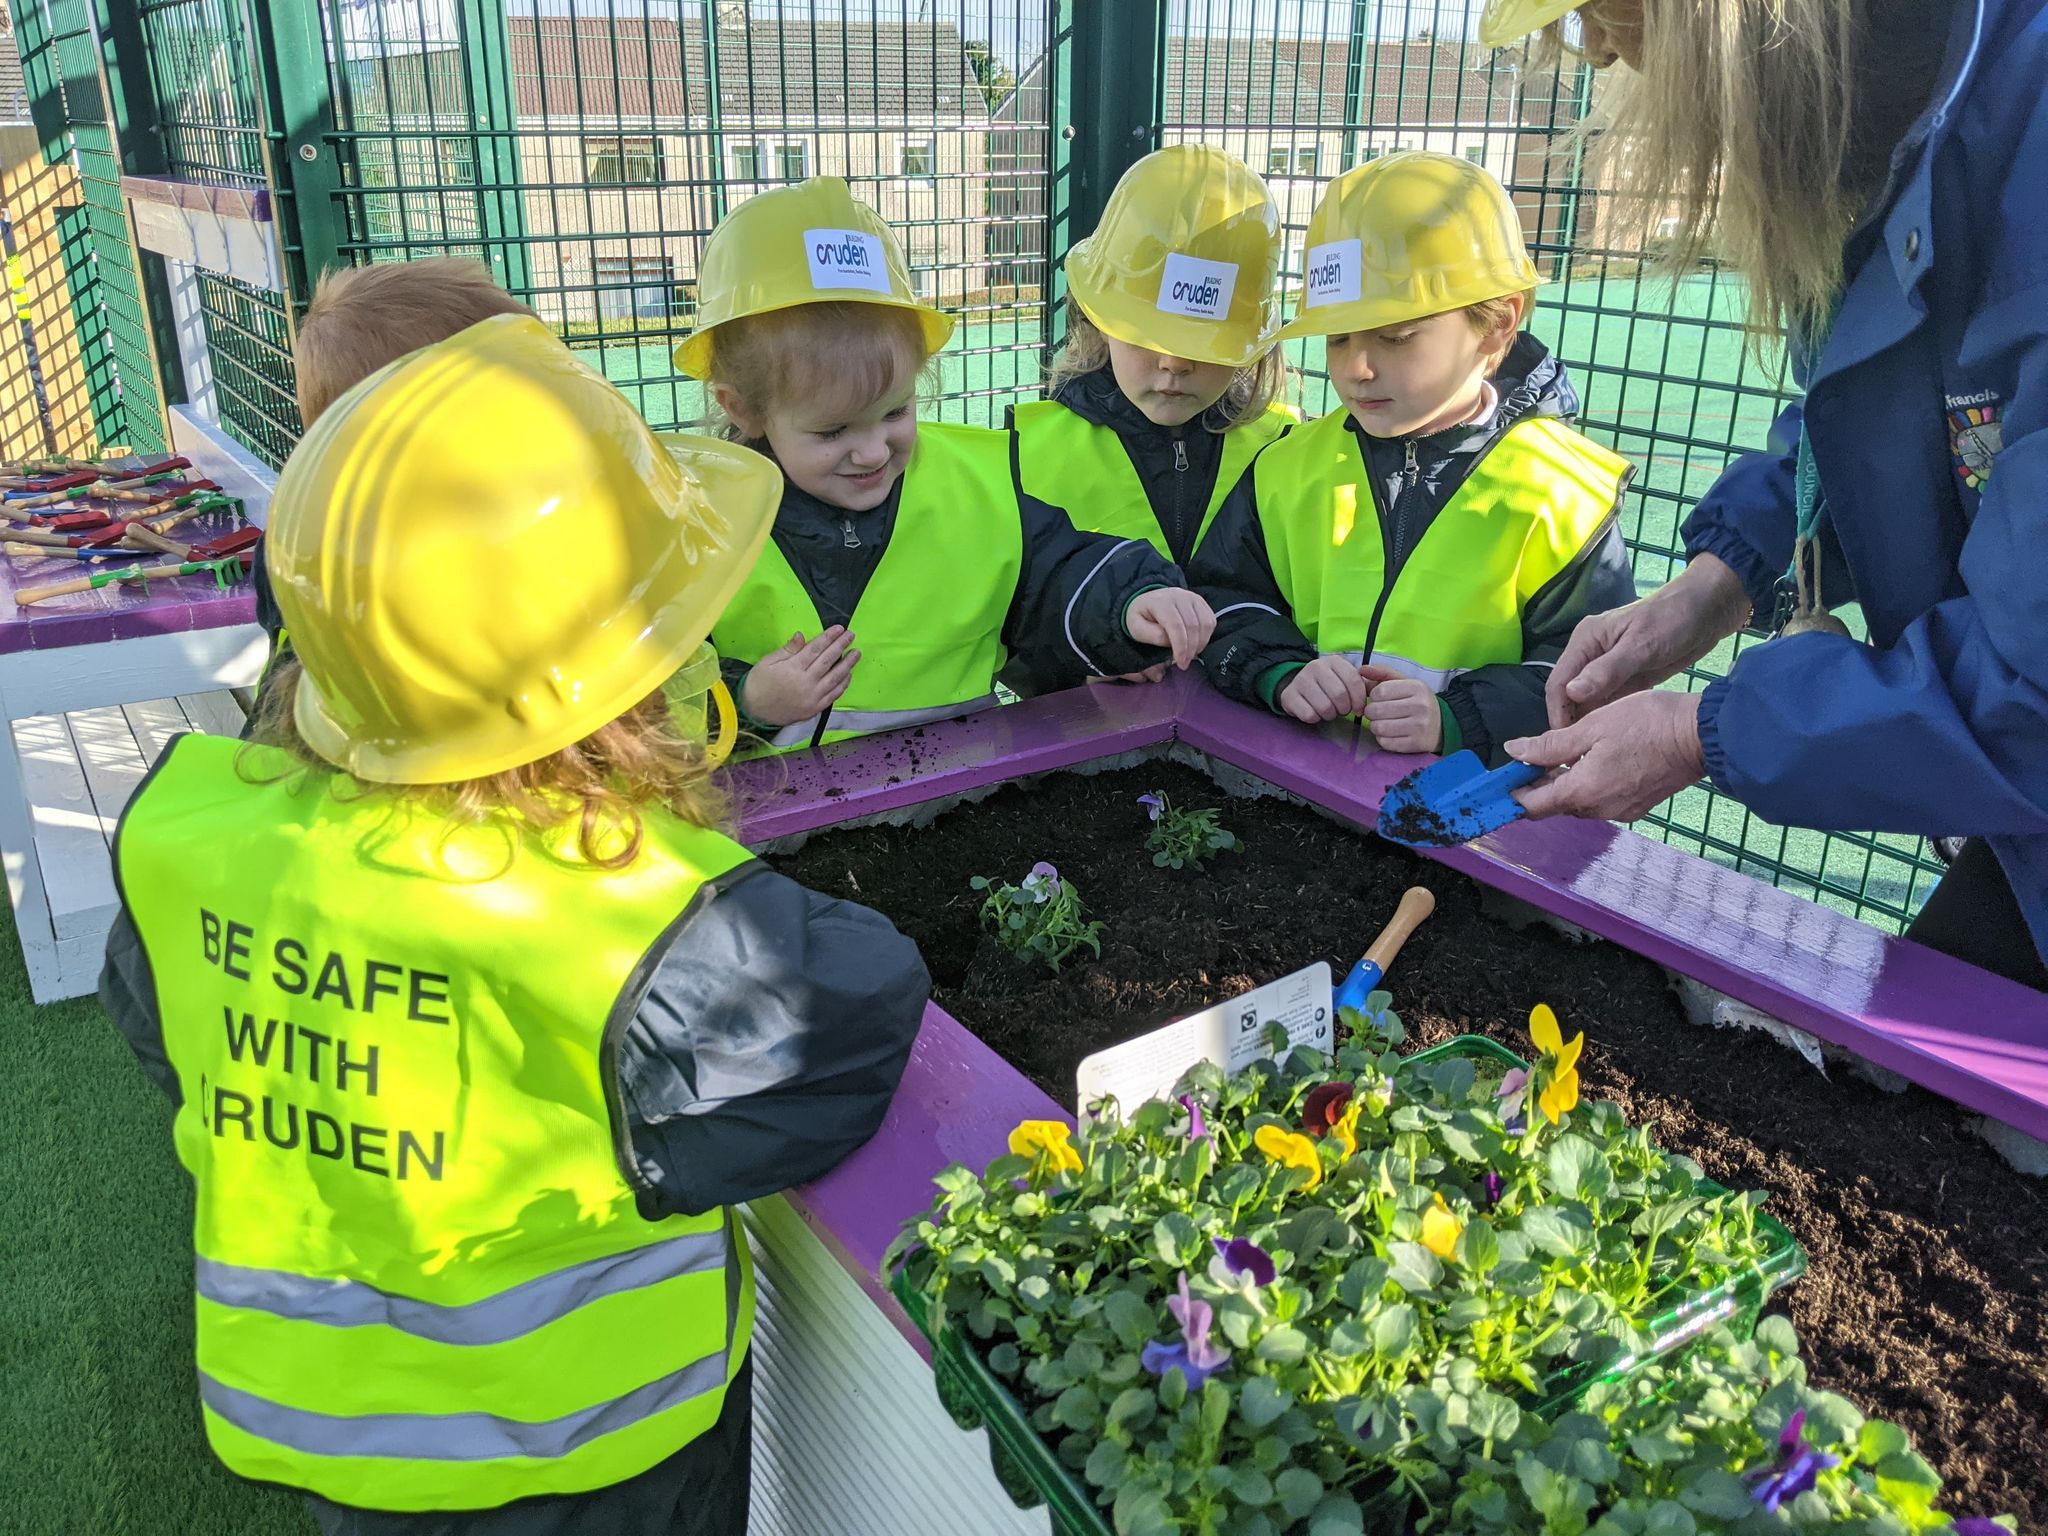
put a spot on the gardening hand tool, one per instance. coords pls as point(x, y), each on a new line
point(224, 572)
point(184, 514)
point(90, 552)
point(1416, 904)
point(1453, 801)
point(224, 544)
point(49, 492)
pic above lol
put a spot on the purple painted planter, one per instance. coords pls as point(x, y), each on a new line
point(1958, 1031)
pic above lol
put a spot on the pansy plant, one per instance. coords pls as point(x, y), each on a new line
point(1184, 839)
point(1041, 919)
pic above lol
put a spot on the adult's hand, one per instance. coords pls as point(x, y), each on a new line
point(1637, 646)
point(1619, 761)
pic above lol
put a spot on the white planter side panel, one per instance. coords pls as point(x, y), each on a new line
point(849, 1437)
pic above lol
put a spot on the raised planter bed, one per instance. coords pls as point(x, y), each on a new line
point(1925, 1299)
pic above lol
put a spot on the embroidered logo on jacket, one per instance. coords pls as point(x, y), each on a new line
point(1974, 436)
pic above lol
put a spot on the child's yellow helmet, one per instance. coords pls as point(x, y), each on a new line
point(1183, 260)
point(1508, 21)
point(1409, 235)
point(483, 554)
point(812, 243)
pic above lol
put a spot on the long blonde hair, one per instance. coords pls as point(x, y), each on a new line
point(1741, 119)
point(1254, 391)
point(601, 782)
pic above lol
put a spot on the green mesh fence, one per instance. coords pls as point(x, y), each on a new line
point(1303, 89)
point(203, 69)
point(61, 67)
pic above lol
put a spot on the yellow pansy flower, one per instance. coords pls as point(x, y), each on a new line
point(1293, 1150)
point(1559, 1064)
point(1346, 1128)
point(1047, 1141)
point(1440, 1228)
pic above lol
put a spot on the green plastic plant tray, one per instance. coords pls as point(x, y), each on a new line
point(1032, 1473)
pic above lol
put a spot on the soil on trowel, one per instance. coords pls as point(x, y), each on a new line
point(1926, 1301)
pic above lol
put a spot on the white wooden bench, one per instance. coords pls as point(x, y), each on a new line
point(78, 771)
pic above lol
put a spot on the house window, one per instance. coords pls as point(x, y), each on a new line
point(1370, 152)
point(743, 161)
point(1476, 153)
point(920, 159)
point(793, 161)
point(1277, 161)
point(1305, 161)
point(635, 287)
point(627, 161)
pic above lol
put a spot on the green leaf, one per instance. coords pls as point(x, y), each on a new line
point(1035, 1291)
point(1665, 1518)
point(1393, 1332)
point(1556, 1234)
point(1832, 1420)
point(1143, 1512)
point(1251, 1486)
point(979, 883)
point(1570, 1160)
point(1657, 1449)
point(1337, 1516)
point(1494, 1417)
point(1561, 1500)
point(1129, 1319)
point(1282, 1345)
point(1004, 1359)
point(1173, 1391)
point(1077, 1408)
point(1877, 1439)
point(1457, 1135)
point(1262, 1401)
point(1362, 1282)
point(1349, 1339)
point(1174, 1235)
point(1777, 1335)
point(1300, 1491)
point(1133, 1409)
point(1716, 1493)
point(1478, 1247)
point(1105, 1465)
point(1413, 1267)
point(1216, 1408)
point(1908, 1482)
point(1307, 1233)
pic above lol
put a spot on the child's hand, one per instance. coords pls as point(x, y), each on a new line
point(1402, 712)
point(800, 679)
point(1172, 617)
point(1326, 689)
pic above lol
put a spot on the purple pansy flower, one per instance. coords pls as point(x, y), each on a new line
point(1494, 1187)
point(1513, 1094)
point(1245, 1258)
point(1195, 1355)
point(1043, 883)
point(1197, 1131)
point(1797, 1468)
point(1153, 803)
point(1977, 1525)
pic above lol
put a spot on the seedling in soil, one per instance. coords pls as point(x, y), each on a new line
point(1043, 919)
point(1184, 839)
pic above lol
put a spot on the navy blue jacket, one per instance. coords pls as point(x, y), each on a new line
point(1928, 413)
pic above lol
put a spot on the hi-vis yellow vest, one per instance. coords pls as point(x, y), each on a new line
point(1532, 503)
point(1081, 466)
point(423, 1281)
point(929, 626)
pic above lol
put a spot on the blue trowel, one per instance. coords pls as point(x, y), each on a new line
point(1453, 801)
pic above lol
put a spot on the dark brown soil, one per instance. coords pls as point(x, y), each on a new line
point(1926, 1301)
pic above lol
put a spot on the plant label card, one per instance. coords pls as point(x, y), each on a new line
point(1232, 1034)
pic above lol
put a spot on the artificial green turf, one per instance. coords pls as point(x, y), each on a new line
point(99, 1418)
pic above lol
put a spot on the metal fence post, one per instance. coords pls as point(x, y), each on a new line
point(1108, 66)
point(493, 114)
point(301, 156)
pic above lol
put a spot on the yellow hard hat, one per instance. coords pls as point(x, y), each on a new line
point(483, 554)
point(1506, 21)
point(1405, 236)
point(807, 244)
point(1183, 260)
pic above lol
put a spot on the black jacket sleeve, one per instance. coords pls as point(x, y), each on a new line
point(1255, 631)
point(1066, 621)
point(128, 992)
point(768, 1044)
point(1495, 705)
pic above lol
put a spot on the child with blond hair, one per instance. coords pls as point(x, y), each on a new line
point(1170, 381)
point(1420, 556)
point(905, 568)
point(476, 1027)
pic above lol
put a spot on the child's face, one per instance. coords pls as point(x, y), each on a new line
point(847, 458)
point(1171, 391)
point(1416, 377)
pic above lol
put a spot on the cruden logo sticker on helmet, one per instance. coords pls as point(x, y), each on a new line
point(846, 258)
point(1183, 260)
point(1333, 273)
point(1198, 289)
point(812, 243)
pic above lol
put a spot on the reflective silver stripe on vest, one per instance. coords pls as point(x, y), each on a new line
point(1438, 678)
point(493, 1320)
point(455, 1436)
point(879, 719)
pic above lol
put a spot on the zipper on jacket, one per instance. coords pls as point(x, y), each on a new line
point(848, 538)
point(1180, 455)
point(1411, 468)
